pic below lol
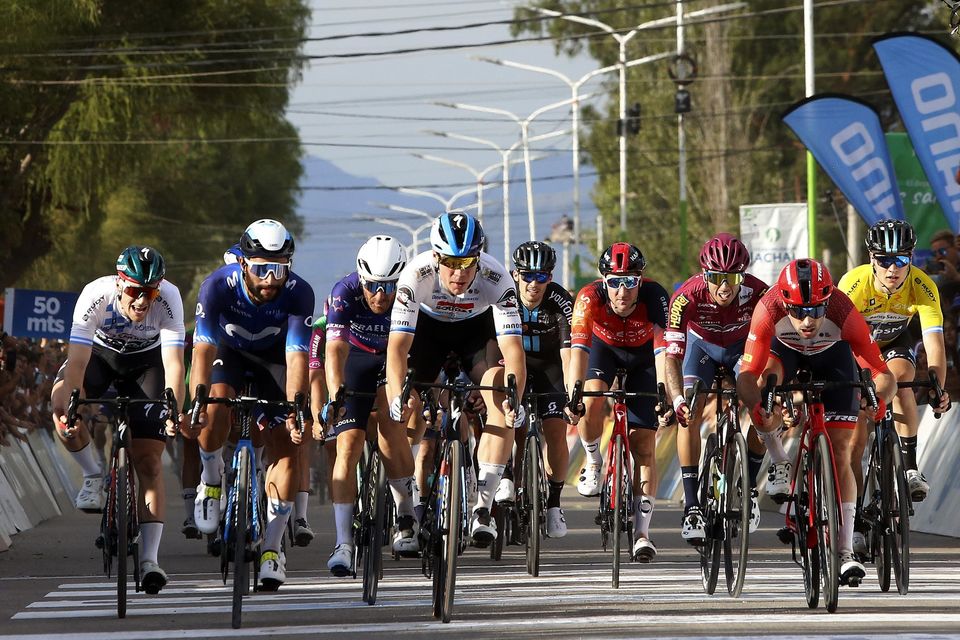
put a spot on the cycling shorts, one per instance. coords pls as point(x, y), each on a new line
point(264, 371)
point(546, 376)
point(899, 347)
point(835, 364)
point(435, 339)
point(702, 358)
point(641, 376)
point(364, 372)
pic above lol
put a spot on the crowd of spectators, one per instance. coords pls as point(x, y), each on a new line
point(944, 268)
point(27, 370)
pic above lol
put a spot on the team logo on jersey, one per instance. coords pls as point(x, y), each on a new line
point(233, 279)
point(676, 310)
point(234, 330)
point(509, 299)
point(405, 296)
point(925, 288)
point(93, 307)
point(490, 275)
point(424, 272)
point(336, 303)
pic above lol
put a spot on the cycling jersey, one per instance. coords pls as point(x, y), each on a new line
point(226, 315)
point(889, 315)
point(97, 320)
point(692, 309)
point(594, 318)
point(419, 290)
point(349, 319)
point(318, 341)
point(546, 328)
point(841, 323)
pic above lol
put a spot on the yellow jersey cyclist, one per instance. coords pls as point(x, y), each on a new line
point(888, 291)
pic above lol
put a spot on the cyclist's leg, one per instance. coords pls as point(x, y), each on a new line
point(350, 441)
point(189, 479)
point(302, 531)
point(642, 421)
point(493, 453)
point(782, 363)
point(903, 366)
point(601, 368)
point(697, 365)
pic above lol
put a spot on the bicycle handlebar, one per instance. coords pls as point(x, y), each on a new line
point(771, 389)
point(202, 398)
point(121, 402)
point(933, 383)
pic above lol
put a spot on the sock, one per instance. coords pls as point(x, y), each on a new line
point(553, 497)
point(303, 497)
point(87, 460)
point(909, 448)
point(689, 473)
point(592, 449)
point(343, 515)
point(150, 534)
point(258, 456)
point(487, 481)
point(642, 513)
point(212, 462)
point(846, 529)
point(402, 490)
point(189, 497)
point(278, 512)
point(771, 440)
point(754, 465)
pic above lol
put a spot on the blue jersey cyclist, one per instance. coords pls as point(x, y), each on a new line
point(358, 323)
point(253, 318)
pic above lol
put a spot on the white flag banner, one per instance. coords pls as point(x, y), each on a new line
point(775, 234)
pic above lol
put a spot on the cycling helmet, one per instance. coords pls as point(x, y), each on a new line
point(266, 239)
point(381, 258)
point(891, 236)
point(456, 234)
point(621, 258)
point(804, 283)
point(142, 265)
point(534, 256)
point(724, 252)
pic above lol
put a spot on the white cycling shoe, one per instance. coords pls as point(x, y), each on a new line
point(556, 523)
point(483, 529)
point(506, 491)
point(405, 541)
point(851, 570)
point(692, 529)
point(778, 482)
point(302, 533)
point(644, 550)
point(917, 485)
point(341, 560)
point(754, 511)
point(273, 573)
point(588, 485)
point(90, 497)
point(152, 577)
point(207, 507)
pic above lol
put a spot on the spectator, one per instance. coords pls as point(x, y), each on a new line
point(26, 375)
point(943, 266)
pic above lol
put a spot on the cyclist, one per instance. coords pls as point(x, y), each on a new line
point(888, 291)
point(706, 329)
point(804, 323)
point(442, 296)
point(127, 332)
point(618, 323)
point(358, 323)
point(253, 318)
point(546, 310)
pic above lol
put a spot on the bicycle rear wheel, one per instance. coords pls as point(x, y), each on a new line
point(376, 528)
point(710, 498)
point(533, 497)
point(896, 511)
point(445, 565)
point(239, 535)
point(802, 503)
point(872, 513)
point(736, 515)
point(618, 507)
point(122, 515)
point(826, 518)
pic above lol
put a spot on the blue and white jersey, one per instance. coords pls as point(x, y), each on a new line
point(349, 319)
point(226, 314)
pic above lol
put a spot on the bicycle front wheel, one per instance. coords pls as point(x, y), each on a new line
point(445, 570)
point(238, 534)
point(710, 497)
point(533, 497)
point(801, 504)
point(895, 498)
point(618, 506)
point(122, 515)
point(376, 527)
point(736, 516)
point(826, 520)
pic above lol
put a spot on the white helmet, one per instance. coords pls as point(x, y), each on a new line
point(381, 258)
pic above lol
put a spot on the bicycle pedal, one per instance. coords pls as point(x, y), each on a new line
point(99, 543)
point(785, 535)
point(598, 519)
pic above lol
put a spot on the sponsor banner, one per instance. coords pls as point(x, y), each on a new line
point(924, 78)
point(846, 138)
point(775, 234)
point(31, 313)
point(919, 202)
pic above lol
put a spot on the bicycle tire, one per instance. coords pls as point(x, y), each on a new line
point(122, 515)
point(736, 516)
point(826, 520)
point(239, 535)
point(445, 579)
point(501, 518)
point(617, 496)
point(801, 505)
point(711, 549)
point(533, 495)
point(879, 543)
point(896, 519)
point(373, 564)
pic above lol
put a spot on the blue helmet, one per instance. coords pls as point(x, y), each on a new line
point(457, 234)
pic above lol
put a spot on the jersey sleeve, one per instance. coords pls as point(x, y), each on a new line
point(208, 312)
point(584, 312)
point(87, 315)
point(406, 306)
point(339, 313)
point(317, 342)
point(300, 318)
point(856, 332)
point(762, 330)
point(565, 316)
point(675, 335)
point(927, 302)
point(171, 324)
point(506, 310)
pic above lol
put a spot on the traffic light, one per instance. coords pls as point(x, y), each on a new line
point(681, 101)
point(633, 119)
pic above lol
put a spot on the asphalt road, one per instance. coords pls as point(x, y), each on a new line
point(51, 585)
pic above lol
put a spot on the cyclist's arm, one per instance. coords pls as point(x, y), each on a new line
point(936, 352)
point(335, 361)
point(173, 373)
point(206, 334)
point(78, 356)
point(565, 362)
point(581, 337)
point(514, 359)
point(297, 374)
point(931, 324)
point(755, 353)
point(398, 348)
point(201, 364)
point(673, 376)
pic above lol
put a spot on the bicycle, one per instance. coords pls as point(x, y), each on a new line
point(813, 511)
point(445, 524)
point(724, 490)
point(242, 522)
point(615, 515)
point(886, 506)
point(120, 523)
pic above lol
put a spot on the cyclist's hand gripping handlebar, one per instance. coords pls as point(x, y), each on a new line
point(575, 404)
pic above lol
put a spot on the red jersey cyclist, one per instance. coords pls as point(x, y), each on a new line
point(706, 329)
point(803, 322)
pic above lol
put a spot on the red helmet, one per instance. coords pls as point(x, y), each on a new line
point(621, 258)
point(804, 283)
point(724, 252)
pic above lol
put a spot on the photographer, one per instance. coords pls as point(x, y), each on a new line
point(942, 266)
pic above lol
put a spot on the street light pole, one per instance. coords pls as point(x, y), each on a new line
point(413, 231)
point(682, 147)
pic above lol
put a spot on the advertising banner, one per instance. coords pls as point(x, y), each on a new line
point(31, 313)
point(775, 234)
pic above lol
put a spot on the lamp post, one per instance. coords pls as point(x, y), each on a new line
point(414, 232)
point(446, 202)
point(477, 175)
point(398, 209)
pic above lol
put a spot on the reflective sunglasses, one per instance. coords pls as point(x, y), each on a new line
point(630, 282)
point(800, 312)
point(137, 291)
point(374, 286)
point(719, 277)
point(540, 277)
point(900, 261)
point(459, 264)
point(263, 269)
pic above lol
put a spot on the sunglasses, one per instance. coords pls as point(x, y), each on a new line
point(373, 286)
point(719, 277)
point(459, 264)
point(800, 312)
point(942, 252)
point(900, 261)
point(263, 269)
point(136, 292)
point(540, 277)
point(630, 282)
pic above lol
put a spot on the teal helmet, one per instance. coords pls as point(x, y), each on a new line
point(141, 265)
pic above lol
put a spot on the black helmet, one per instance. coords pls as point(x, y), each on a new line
point(621, 258)
point(534, 256)
point(266, 239)
point(142, 265)
point(891, 236)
